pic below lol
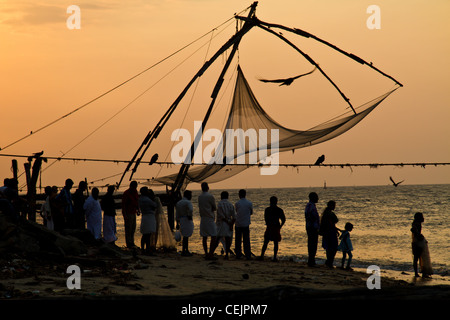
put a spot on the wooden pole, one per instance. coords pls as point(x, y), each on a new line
point(309, 35)
point(31, 184)
point(87, 187)
point(14, 169)
point(155, 132)
point(185, 167)
point(307, 57)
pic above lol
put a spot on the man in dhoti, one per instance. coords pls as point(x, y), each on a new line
point(208, 228)
point(184, 212)
point(93, 212)
point(226, 216)
point(108, 205)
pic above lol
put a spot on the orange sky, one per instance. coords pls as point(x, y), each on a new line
point(48, 70)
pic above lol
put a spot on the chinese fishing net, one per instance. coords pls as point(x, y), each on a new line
point(247, 114)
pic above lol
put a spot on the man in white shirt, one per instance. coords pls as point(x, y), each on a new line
point(244, 209)
point(184, 211)
point(208, 228)
point(93, 212)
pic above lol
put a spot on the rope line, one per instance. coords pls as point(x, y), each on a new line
point(372, 165)
point(116, 87)
point(132, 101)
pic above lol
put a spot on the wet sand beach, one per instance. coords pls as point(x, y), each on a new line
point(172, 276)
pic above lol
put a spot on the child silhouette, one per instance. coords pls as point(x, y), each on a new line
point(346, 246)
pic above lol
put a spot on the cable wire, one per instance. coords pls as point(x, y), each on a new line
point(114, 88)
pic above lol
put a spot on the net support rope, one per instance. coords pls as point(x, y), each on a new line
point(119, 161)
point(33, 132)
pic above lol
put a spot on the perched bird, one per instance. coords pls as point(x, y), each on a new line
point(395, 183)
point(35, 155)
point(320, 160)
point(153, 159)
point(288, 81)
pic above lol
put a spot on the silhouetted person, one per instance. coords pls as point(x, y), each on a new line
point(420, 248)
point(147, 205)
point(184, 212)
point(275, 219)
point(329, 232)
point(244, 210)
point(46, 209)
point(226, 216)
point(208, 228)
point(108, 205)
point(57, 210)
point(312, 227)
point(93, 212)
point(79, 198)
point(130, 208)
point(10, 202)
point(5, 186)
point(346, 246)
point(172, 198)
point(65, 201)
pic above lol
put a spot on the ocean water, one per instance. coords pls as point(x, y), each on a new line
point(381, 216)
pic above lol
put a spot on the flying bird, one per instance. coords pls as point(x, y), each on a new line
point(395, 183)
point(320, 160)
point(288, 81)
point(153, 159)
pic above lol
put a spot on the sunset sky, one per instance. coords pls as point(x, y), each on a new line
point(47, 70)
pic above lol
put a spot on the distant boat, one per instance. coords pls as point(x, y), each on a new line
point(324, 184)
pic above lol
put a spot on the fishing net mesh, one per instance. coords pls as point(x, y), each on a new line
point(246, 116)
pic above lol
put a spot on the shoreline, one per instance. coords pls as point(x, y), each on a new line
point(395, 269)
point(109, 273)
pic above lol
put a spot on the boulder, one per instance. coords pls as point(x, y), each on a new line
point(27, 236)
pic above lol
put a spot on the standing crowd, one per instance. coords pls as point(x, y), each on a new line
point(217, 223)
point(66, 210)
point(81, 210)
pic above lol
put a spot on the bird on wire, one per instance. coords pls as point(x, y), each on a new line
point(153, 159)
point(320, 160)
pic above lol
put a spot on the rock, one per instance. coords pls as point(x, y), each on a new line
point(70, 245)
point(29, 237)
point(113, 251)
point(84, 235)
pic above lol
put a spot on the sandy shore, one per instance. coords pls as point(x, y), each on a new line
point(171, 276)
